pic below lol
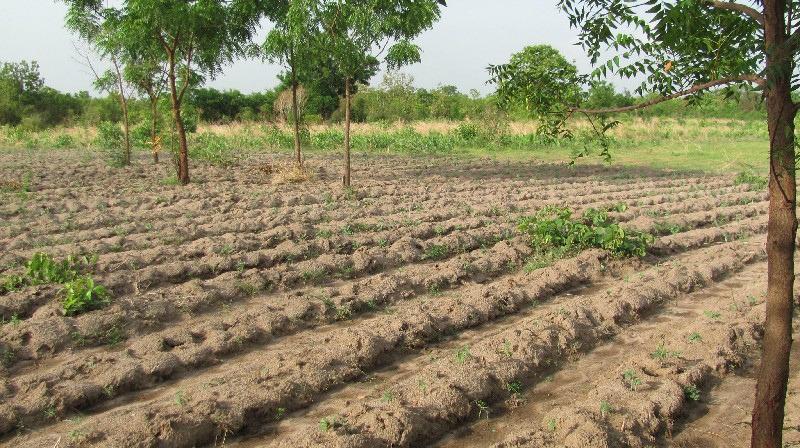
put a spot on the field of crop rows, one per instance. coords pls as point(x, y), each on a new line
point(402, 313)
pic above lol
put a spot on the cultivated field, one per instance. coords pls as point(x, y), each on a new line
point(406, 312)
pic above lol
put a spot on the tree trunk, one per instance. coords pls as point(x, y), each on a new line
point(123, 103)
point(154, 127)
point(768, 410)
point(296, 116)
point(346, 176)
point(183, 147)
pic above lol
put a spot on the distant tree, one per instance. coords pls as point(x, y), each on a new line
point(293, 42)
point(194, 38)
point(99, 26)
point(147, 72)
point(542, 81)
point(359, 33)
point(682, 48)
point(20, 84)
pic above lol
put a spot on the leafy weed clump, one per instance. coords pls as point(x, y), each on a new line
point(749, 178)
point(42, 269)
point(555, 233)
point(82, 295)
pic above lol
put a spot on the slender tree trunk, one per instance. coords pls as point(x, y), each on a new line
point(768, 410)
point(183, 151)
point(296, 116)
point(123, 103)
point(346, 177)
point(154, 127)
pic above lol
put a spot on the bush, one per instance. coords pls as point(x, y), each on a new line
point(749, 178)
point(82, 295)
point(554, 229)
point(42, 268)
point(213, 149)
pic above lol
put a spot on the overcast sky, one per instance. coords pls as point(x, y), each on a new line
point(470, 35)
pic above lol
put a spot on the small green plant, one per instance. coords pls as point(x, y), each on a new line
point(436, 252)
point(749, 178)
point(712, 314)
point(12, 283)
point(695, 337)
point(279, 413)
point(752, 300)
point(82, 295)
point(507, 349)
point(691, 392)
point(13, 321)
point(42, 269)
point(514, 388)
point(462, 354)
point(605, 408)
point(327, 423)
point(7, 357)
point(483, 408)
point(180, 397)
point(631, 379)
point(551, 425)
point(387, 397)
point(661, 353)
point(343, 313)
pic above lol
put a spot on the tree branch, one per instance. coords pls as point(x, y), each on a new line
point(737, 7)
point(694, 89)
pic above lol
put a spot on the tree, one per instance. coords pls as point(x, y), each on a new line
point(684, 48)
point(293, 42)
point(358, 33)
point(99, 26)
point(195, 38)
point(147, 72)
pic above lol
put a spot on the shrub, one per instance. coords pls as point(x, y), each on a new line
point(41, 269)
point(82, 295)
point(213, 149)
point(553, 229)
point(749, 178)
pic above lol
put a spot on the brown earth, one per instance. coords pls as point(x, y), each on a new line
point(398, 314)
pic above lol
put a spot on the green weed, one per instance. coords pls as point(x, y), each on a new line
point(631, 379)
point(691, 392)
point(462, 355)
point(83, 294)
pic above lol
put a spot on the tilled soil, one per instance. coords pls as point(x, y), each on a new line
point(396, 314)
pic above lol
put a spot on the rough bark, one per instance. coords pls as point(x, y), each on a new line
point(183, 147)
point(346, 176)
point(768, 410)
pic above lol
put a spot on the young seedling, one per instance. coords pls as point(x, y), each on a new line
point(180, 398)
point(387, 397)
point(462, 355)
point(605, 408)
point(483, 408)
point(695, 337)
point(83, 294)
point(631, 379)
point(551, 425)
point(514, 388)
point(691, 392)
point(714, 315)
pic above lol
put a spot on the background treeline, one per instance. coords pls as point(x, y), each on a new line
point(26, 101)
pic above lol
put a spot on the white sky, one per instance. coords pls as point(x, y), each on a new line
point(471, 35)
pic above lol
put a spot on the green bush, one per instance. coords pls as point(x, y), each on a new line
point(42, 269)
point(213, 149)
point(109, 136)
point(82, 295)
point(749, 178)
point(553, 229)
